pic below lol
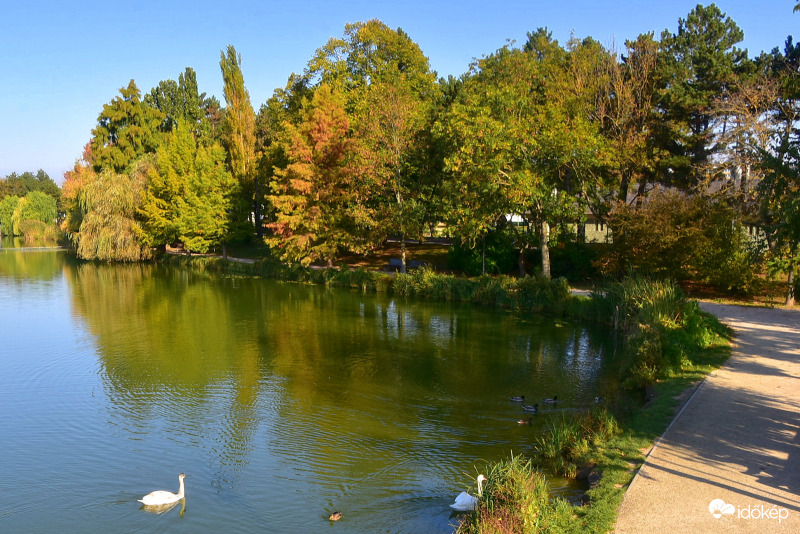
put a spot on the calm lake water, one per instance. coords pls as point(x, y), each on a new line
point(281, 402)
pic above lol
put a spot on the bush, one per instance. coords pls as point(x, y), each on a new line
point(501, 255)
point(516, 499)
point(683, 238)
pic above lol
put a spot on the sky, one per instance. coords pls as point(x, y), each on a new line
point(60, 61)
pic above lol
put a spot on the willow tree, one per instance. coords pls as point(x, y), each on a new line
point(239, 134)
point(110, 229)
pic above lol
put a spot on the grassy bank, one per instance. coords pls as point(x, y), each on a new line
point(670, 345)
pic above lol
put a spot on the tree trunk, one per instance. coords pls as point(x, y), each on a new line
point(790, 288)
point(403, 268)
point(483, 256)
point(545, 248)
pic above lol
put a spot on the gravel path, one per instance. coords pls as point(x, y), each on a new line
point(730, 461)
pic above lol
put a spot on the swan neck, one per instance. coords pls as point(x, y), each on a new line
point(180, 489)
point(480, 487)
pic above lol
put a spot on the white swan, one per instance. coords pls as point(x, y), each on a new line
point(160, 497)
point(466, 502)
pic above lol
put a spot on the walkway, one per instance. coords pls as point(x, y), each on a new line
point(734, 449)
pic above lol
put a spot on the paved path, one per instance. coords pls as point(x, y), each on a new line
point(737, 439)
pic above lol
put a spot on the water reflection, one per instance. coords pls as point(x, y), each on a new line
point(289, 392)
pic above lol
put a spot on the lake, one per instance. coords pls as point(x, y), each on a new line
point(281, 402)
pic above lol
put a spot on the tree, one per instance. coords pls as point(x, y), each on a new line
point(7, 207)
point(314, 195)
point(389, 131)
point(389, 90)
point(522, 143)
point(110, 229)
point(630, 119)
point(700, 62)
point(239, 134)
point(188, 193)
point(180, 101)
point(779, 190)
point(126, 129)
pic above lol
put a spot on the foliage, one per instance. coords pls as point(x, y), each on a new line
point(37, 206)
point(22, 184)
point(701, 61)
point(683, 238)
point(127, 129)
point(500, 255)
point(188, 193)
point(8, 206)
point(314, 200)
point(109, 229)
point(239, 135)
point(516, 499)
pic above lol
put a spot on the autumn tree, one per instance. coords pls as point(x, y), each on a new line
point(316, 203)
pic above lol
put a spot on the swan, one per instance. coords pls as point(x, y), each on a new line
point(466, 502)
point(160, 497)
point(518, 398)
point(552, 401)
point(529, 408)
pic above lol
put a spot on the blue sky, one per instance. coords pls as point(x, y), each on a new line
point(62, 60)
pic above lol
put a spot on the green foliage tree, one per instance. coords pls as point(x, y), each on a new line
point(8, 206)
point(523, 142)
point(126, 129)
point(181, 101)
point(239, 135)
point(700, 62)
point(38, 206)
point(188, 193)
point(779, 189)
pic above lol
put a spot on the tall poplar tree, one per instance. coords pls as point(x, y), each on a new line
point(239, 134)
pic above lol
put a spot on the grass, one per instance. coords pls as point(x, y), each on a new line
point(608, 444)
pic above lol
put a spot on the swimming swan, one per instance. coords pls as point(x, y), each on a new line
point(160, 497)
point(466, 502)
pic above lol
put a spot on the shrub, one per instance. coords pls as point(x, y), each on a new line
point(516, 499)
point(683, 238)
point(501, 255)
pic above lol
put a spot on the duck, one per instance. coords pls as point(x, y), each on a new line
point(527, 421)
point(529, 408)
point(335, 516)
point(518, 398)
point(551, 400)
point(161, 497)
point(466, 502)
